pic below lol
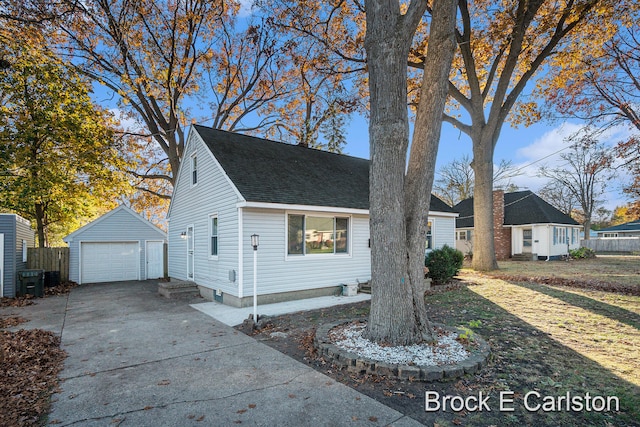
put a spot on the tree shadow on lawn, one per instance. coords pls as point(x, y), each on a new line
point(524, 359)
point(598, 307)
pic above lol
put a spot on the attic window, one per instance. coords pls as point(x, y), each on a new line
point(194, 169)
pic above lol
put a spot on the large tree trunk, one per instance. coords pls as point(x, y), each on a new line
point(399, 208)
point(391, 319)
point(40, 225)
point(484, 254)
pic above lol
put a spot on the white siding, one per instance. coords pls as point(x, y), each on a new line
point(542, 240)
point(279, 273)
point(443, 230)
point(120, 225)
point(192, 205)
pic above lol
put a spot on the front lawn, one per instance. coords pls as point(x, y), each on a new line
point(545, 339)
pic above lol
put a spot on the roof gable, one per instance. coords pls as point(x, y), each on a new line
point(105, 217)
point(274, 172)
point(520, 208)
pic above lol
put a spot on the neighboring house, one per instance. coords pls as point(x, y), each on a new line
point(629, 229)
point(310, 209)
point(525, 226)
point(16, 235)
point(118, 246)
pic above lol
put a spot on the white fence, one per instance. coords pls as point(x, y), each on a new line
point(618, 244)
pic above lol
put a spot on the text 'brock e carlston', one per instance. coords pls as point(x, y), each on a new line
point(532, 401)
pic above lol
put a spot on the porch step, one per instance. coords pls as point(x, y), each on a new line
point(364, 288)
point(525, 257)
point(178, 289)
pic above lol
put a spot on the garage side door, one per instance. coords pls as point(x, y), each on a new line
point(109, 261)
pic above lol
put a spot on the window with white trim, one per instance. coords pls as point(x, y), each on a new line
point(559, 235)
point(24, 251)
point(213, 235)
point(429, 243)
point(312, 235)
point(194, 169)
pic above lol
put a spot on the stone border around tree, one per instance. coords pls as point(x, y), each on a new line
point(361, 365)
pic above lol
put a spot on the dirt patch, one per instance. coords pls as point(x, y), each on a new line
point(525, 357)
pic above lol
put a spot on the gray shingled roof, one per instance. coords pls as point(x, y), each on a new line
point(274, 172)
point(629, 226)
point(520, 208)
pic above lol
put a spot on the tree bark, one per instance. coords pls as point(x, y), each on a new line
point(399, 206)
point(40, 225)
point(484, 255)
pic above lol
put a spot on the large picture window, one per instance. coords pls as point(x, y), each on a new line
point(310, 235)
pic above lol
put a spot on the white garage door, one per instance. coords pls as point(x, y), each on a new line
point(109, 261)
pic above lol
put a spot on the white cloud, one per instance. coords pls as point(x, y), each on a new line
point(246, 7)
point(547, 151)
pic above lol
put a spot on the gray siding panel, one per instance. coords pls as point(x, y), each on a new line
point(15, 230)
point(8, 228)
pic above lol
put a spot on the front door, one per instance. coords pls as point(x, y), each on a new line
point(527, 240)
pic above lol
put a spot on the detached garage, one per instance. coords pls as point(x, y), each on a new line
point(118, 246)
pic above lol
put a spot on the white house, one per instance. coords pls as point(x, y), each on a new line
point(525, 227)
point(310, 209)
point(629, 229)
point(118, 246)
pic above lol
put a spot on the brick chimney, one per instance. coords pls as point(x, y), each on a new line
point(502, 234)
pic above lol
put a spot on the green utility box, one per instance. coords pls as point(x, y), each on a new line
point(31, 282)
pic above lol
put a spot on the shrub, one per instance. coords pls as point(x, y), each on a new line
point(443, 264)
point(582, 253)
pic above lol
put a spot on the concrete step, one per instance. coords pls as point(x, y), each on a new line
point(525, 257)
point(177, 289)
point(364, 288)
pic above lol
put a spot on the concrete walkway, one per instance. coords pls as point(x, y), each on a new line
point(138, 359)
point(233, 316)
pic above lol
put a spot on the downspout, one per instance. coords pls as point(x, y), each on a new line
point(240, 255)
point(548, 245)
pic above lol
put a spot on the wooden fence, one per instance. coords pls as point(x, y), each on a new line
point(49, 259)
point(615, 245)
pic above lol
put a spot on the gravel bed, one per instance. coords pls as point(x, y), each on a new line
point(446, 351)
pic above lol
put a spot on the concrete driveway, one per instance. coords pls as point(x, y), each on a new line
point(138, 359)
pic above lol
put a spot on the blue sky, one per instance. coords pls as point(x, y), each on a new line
point(527, 147)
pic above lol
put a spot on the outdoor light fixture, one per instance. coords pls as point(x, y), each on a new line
point(255, 239)
point(183, 235)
